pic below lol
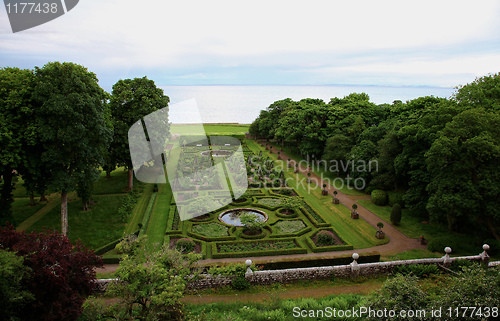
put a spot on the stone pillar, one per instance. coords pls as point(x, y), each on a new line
point(446, 258)
point(485, 258)
point(354, 265)
point(249, 272)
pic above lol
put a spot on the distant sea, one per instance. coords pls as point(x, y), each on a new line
point(242, 104)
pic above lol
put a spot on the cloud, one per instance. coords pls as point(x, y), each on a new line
point(318, 41)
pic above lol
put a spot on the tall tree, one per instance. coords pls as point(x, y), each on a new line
point(71, 125)
point(15, 128)
point(463, 161)
point(131, 100)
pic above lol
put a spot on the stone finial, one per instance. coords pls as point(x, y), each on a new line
point(354, 264)
point(249, 263)
point(446, 257)
point(485, 258)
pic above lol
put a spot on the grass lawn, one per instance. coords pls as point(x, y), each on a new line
point(412, 255)
point(412, 227)
point(95, 228)
point(159, 216)
point(115, 185)
point(211, 128)
point(21, 210)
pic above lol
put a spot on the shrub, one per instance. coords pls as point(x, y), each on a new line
point(324, 238)
point(240, 283)
point(396, 198)
point(396, 214)
point(439, 243)
point(419, 270)
point(369, 189)
point(185, 245)
point(286, 192)
point(379, 197)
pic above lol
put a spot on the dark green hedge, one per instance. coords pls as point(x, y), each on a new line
point(318, 249)
point(313, 220)
point(345, 259)
point(210, 239)
point(297, 250)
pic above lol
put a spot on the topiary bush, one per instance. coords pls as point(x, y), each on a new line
point(379, 197)
point(324, 238)
point(185, 245)
point(439, 243)
point(396, 214)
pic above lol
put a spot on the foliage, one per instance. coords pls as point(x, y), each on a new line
point(379, 197)
point(286, 227)
point(256, 246)
point(185, 245)
point(210, 229)
point(152, 282)
point(294, 202)
point(61, 273)
point(418, 270)
point(395, 197)
point(13, 297)
point(396, 214)
point(252, 222)
point(438, 244)
point(71, 126)
point(473, 287)
point(270, 201)
point(324, 238)
point(399, 293)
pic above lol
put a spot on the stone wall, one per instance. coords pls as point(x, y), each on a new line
point(314, 273)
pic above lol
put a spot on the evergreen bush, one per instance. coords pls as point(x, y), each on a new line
point(396, 214)
point(379, 197)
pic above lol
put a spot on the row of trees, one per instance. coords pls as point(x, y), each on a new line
point(443, 152)
point(58, 127)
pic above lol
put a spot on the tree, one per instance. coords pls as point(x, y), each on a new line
point(131, 100)
point(252, 223)
point(71, 125)
point(152, 281)
point(16, 112)
point(396, 214)
point(464, 163)
point(61, 273)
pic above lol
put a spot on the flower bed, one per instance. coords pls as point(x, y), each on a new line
point(270, 201)
point(211, 229)
point(286, 227)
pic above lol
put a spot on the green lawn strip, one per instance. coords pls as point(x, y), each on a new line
point(139, 210)
point(54, 202)
point(412, 227)
point(211, 128)
point(412, 255)
point(21, 210)
point(159, 216)
point(95, 228)
point(116, 184)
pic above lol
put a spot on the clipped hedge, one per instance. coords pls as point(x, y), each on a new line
point(328, 248)
point(210, 239)
point(345, 259)
point(379, 197)
point(313, 220)
point(439, 243)
point(296, 250)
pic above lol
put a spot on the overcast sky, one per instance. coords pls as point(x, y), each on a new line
point(433, 43)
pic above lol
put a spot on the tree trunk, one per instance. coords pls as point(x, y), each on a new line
point(130, 179)
point(108, 174)
point(43, 198)
point(32, 199)
point(85, 206)
point(6, 197)
point(64, 213)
